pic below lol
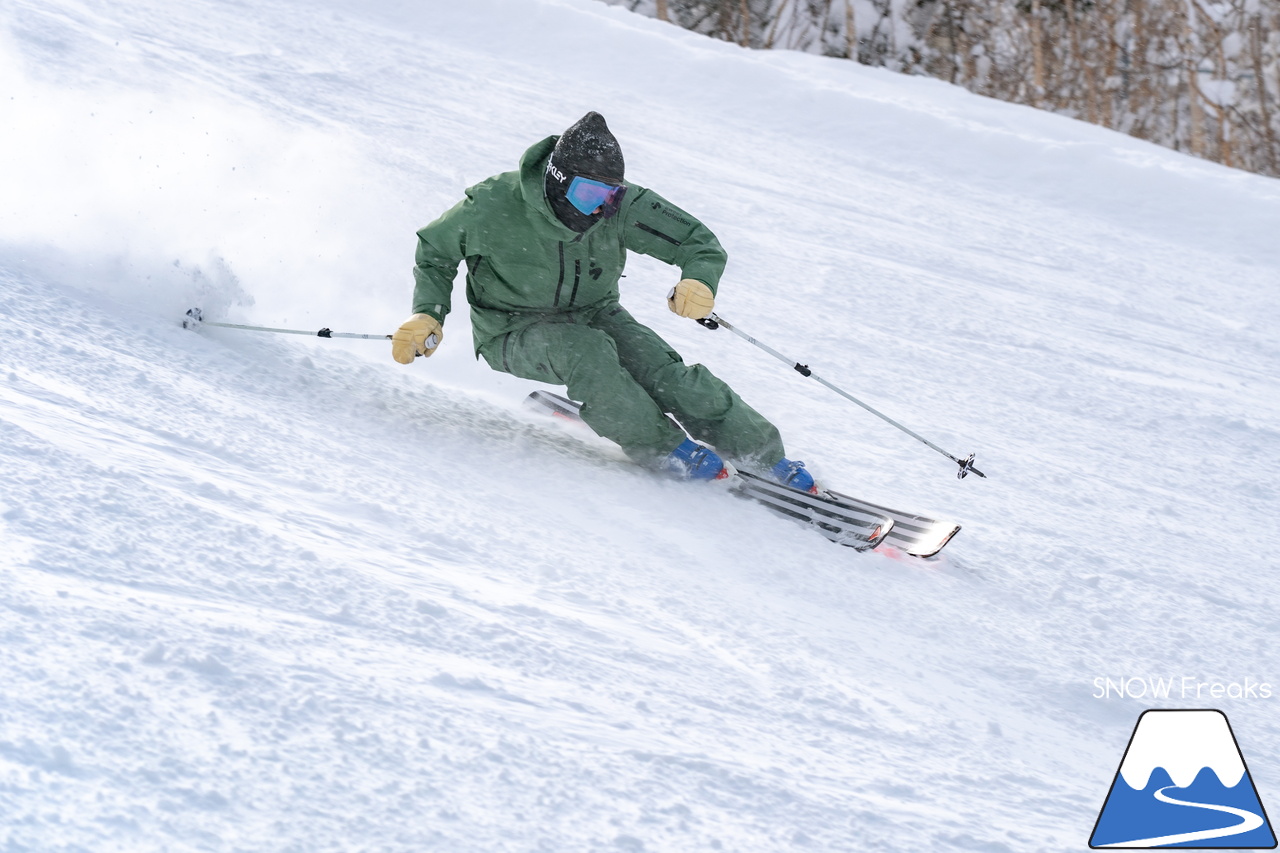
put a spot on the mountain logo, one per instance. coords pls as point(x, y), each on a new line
point(1183, 783)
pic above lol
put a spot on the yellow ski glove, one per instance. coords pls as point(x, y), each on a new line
point(691, 298)
point(419, 335)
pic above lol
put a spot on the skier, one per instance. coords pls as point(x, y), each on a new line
point(544, 248)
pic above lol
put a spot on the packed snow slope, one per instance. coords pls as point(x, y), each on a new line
point(282, 594)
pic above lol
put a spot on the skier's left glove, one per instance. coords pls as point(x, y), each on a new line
point(419, 335)
point(691, 298)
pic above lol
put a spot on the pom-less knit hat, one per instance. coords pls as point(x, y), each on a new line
point(587, 149)
point(590, 150)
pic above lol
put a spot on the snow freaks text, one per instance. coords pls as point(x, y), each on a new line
point(1184, 687)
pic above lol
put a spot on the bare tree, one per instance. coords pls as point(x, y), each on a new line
point(1201, 76)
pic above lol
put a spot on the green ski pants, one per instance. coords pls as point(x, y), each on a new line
point(627, 378)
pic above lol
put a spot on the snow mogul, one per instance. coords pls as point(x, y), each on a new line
point(545, 247)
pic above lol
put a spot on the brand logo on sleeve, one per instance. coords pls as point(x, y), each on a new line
point(669, 213)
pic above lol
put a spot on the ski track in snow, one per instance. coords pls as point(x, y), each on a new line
point(283, 594)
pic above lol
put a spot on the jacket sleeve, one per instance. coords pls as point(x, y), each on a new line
point(442, 245)
point(654, 226)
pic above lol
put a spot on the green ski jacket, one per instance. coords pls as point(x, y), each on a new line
point(524, 264)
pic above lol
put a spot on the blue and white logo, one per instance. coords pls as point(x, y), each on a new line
point(1183, 783)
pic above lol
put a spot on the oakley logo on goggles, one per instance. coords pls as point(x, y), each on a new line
point(588, 195)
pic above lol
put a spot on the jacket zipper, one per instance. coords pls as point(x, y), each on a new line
point(655, 232)
point(559, 284)
point(577, 277)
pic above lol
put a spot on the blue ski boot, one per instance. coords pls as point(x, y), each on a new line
point(793, 474)
point(696, 462)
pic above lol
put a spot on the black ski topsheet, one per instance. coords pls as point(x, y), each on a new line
point(843, 524)
point(840, 517)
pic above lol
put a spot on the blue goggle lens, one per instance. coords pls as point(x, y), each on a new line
point(588, 196)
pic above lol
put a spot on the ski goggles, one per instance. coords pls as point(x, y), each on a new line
point(588, 196)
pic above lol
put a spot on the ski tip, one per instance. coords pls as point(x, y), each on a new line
point(881, 533)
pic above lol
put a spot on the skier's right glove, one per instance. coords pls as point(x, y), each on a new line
point(691, 298)
point(419, 335)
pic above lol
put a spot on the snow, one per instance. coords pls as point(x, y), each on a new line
point(279, 593)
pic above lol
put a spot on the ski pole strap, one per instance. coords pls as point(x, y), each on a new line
point(712, 321)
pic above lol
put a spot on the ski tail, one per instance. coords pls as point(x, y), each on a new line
point(554, 405)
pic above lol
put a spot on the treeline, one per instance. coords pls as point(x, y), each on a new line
point(1198, 76)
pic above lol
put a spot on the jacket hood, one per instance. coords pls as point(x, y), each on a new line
point(533, 167)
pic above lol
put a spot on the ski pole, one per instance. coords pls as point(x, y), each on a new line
point(196, 319)
point(712, 321)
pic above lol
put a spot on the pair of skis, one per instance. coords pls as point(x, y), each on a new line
point(841, 518)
